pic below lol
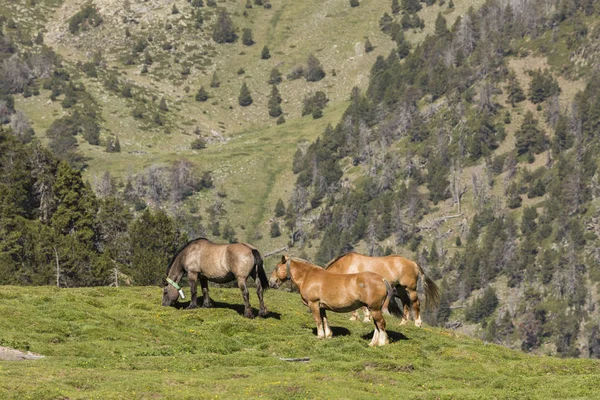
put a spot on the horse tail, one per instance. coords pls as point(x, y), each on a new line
point(432, 292)
point(260, 270)
point(389, 304)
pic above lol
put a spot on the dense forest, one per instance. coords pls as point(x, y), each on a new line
point(453, 155)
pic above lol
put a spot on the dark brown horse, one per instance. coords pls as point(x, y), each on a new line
point(321, 290)
point(397, 270)
point(207, 261)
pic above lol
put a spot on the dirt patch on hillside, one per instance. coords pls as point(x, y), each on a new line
point(8, 354)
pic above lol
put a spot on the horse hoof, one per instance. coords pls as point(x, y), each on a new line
point(404, 322)
point(263, 313)
point(207, 305)
point(418, 323)
point(191, 307)
point(249, 315)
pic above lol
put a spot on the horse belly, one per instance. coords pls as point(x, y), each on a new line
point(341, 307)
point(223, 277)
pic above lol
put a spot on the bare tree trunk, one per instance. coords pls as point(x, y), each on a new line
point(57, 268)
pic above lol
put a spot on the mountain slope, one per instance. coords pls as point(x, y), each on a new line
point(115, 342)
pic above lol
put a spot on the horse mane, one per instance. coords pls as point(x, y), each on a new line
point(304, 261)
point(334, 260)
point(180, 250)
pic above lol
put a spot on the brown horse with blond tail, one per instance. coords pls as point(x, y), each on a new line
point(397, 270)
point(321, 290)
point(206, 261)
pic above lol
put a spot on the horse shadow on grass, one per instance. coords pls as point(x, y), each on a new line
point(393, 336)
point(337, 331)
point(238, 308)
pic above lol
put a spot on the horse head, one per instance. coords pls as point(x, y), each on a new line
point(170, 293)
point(281, 273)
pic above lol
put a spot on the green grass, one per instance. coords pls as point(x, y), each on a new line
point(121, 343)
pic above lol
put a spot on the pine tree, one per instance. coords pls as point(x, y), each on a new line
point(515, 93)
point(275, 77)
point(395, 7)
point(153, 242)
point(441, 27)
point(214, 82)
point(274, 102)
point(265, 54)
point(224, 30)
point(368, 46)
point(411, 6)
point(163, 105)
point(314, 70)
point(542, 86)
point(247, 37)
point(245, 98)
point(529, 138)
point(202, 95)
point(275, 230)
point(279, 208)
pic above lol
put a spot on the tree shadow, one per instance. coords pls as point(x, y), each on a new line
point(238, 308)
point(393, 336)
point(337, 331)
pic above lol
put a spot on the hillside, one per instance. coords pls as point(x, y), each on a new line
point(119, 342)
point(460, 134)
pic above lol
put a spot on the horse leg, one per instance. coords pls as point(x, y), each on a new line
point(206, 303)
point(262, 312)
point(247, 309)
point(405, 299)
point(375, 339)
point(367, 316)
point(416, 305)
point(316, 312)
point(382, 337)
point(326, 329)
point(193, 280)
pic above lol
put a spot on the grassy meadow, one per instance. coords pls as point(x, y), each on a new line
point(120, 343)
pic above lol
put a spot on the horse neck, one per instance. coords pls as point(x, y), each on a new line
point(176, 270)
point(298, 271)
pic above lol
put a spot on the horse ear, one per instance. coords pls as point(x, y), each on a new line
point(283, 259)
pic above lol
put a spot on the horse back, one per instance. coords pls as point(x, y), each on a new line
point(390, 267)
point(216, 261)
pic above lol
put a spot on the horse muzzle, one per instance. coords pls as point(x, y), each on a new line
point(274, 283)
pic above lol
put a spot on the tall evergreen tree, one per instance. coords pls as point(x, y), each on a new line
point(245, 98)
point(214, 82)
point(314, 70)
point(202, 95)
point(529, 137)
point(247, 38)
point(224, 30)
point(275, 77)
point(153, 242)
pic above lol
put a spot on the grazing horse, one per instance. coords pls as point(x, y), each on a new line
point(221, 263)
point(397, 270)
point(322, 290)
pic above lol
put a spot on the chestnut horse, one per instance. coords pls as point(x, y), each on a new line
point(207, 261)
point(397, 270)
point(322, 290)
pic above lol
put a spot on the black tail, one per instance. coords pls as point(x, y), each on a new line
point(260, 271)
point(390, 305)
